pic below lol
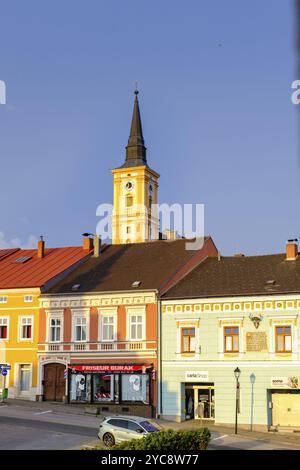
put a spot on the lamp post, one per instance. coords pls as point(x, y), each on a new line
point(237, 374)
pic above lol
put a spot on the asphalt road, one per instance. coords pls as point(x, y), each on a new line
point(39, 426)
point(28, 434)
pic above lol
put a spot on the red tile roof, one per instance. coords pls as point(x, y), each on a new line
point(37, 272)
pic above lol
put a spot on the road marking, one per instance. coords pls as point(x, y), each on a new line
point(220, 437)
point(43, 412)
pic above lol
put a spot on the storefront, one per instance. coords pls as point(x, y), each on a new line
point(200, 401)
point(118, 388)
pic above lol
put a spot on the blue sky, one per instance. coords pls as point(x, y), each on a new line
point(215, 95)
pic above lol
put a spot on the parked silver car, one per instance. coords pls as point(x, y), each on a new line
point(116, 429)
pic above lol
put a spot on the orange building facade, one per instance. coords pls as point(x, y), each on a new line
point(100, 349)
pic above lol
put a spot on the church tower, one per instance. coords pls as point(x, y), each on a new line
point(135, 219)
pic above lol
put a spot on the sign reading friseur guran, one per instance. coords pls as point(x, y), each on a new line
point(256, 341)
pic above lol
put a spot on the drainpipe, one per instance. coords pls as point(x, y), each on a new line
point(159, 358)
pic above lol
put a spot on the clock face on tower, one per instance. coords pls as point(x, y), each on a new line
point(129, 186)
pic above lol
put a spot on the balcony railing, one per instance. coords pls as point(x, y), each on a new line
point(102, 346)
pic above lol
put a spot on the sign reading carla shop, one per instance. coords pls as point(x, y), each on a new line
point(198, 376)
point(284, 382)
point(109, 368)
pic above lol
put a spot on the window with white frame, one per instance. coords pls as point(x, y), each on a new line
point(136, 327)
point(283, 338)
point(28, 298)
point(80, 329)
point(108, 328)
point(26, 328)
point(3, 299)
point(231, 339)
point(55, 330)
point(3, 328)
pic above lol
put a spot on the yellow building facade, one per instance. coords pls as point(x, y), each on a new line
point(19, 309)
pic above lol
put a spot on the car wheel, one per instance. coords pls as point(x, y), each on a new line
point(108, 439)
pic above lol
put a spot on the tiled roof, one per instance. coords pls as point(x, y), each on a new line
point(235, 276)
point(37, 272)
point(118, 266)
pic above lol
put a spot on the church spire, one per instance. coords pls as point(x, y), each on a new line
point(136, 150)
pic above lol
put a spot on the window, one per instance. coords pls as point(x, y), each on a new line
point(231, 339)
point(55, 328)
point(188, 340)
point(283, 338)
point(80, 387)
point(150, 427)
point(135, 427)
point(80, 329)
point(26, 328)
point(108, 323)
point(128, 229)
point(120, 423)
point(3, 299)
point(25, 371)
point(136, 327)
point(129, 200)
point(103, 386)
point(28, 298)
point(3, 328)
point(135, 387)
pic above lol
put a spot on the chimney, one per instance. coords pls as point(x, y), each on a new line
point(97, 246)
point(88, 243)
point(41, 248)
point(292, 249)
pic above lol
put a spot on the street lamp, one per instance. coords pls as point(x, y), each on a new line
point(237, 374)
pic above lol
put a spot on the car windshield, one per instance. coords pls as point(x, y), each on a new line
point(150, 427)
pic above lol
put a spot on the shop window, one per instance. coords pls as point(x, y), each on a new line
point(26, 328)
point(283, 338)
point(80, 387)
point(231, 339)
point(136, 327)
point(108, 328)
point(188, 340)
point(25, 372)
point(55, 329)
point(3, 328)
point(103, 386)
point(80, 329)
point(135, 388)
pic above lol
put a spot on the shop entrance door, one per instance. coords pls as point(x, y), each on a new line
point(204, 402)
point(54, 382)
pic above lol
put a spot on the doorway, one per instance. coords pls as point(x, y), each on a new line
point(200, 401)
point(286, 408)
point(54, 382)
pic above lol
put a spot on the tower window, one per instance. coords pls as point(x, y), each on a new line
point(129, 200)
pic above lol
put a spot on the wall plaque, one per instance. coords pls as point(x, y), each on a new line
point(256, 341)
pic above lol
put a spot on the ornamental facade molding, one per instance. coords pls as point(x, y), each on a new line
point(86, 301)
point(231, 307)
